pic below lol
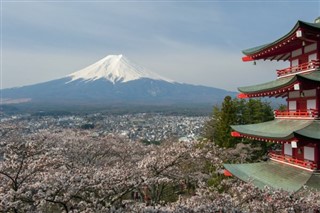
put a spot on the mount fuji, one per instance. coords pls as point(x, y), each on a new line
point(115, 68)
point(114, 80)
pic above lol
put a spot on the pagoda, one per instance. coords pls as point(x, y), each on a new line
point(297, 128)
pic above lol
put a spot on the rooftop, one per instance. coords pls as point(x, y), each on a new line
point(275, 175)
point(291, 40)
point(282, 130)
point(280, 85)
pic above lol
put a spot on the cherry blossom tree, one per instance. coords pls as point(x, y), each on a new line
point(25, 161)
point(78, 171)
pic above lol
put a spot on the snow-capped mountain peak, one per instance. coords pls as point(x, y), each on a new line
point(115, 68)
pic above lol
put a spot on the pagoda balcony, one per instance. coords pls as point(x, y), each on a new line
point(301, 68)
point(310, 114)
point(304, 164)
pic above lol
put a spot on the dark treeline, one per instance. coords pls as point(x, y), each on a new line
point(52, 110)
point(234, 112)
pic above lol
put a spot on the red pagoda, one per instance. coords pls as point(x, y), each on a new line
point(296, 129)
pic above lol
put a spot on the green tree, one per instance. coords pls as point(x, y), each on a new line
point(282, 108)
point(254, 111)
point(220, 123)
point(209, 126)
point(234, 112)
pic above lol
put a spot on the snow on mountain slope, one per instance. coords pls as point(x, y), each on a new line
point(115, 68)
point(113, 81)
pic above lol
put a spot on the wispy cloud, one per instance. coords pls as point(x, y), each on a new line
point(194, 42)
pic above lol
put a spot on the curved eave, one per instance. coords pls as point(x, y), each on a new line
point(274, 175)
point(278, 129)
point(299, 24)
point(269, 86)
point(280, 83)
point(312, 76)
point(311, 131)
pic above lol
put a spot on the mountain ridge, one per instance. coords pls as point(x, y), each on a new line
point(115, 80)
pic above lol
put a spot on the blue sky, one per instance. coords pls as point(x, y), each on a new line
point(197, 42)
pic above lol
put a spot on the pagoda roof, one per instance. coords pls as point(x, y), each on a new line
point(280, 83)
point(314, 181)
point(281, 129)
point(275, 175)
point(311, 131)
point(290, 36)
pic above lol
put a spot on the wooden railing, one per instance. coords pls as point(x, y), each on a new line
point(312, 113)
point(303, 163)
point(311, 65)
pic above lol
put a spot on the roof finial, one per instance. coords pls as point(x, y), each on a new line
point(317, 20)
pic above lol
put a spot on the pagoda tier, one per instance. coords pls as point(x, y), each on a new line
point(300, 140)
point(281, 86)
point(302, 93)
point(279, 130)
point(303, 34)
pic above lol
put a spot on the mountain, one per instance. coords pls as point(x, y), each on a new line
point(115, 68)
point(114, 80)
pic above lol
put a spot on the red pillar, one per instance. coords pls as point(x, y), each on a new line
point(316, 155)
point(318, 100)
